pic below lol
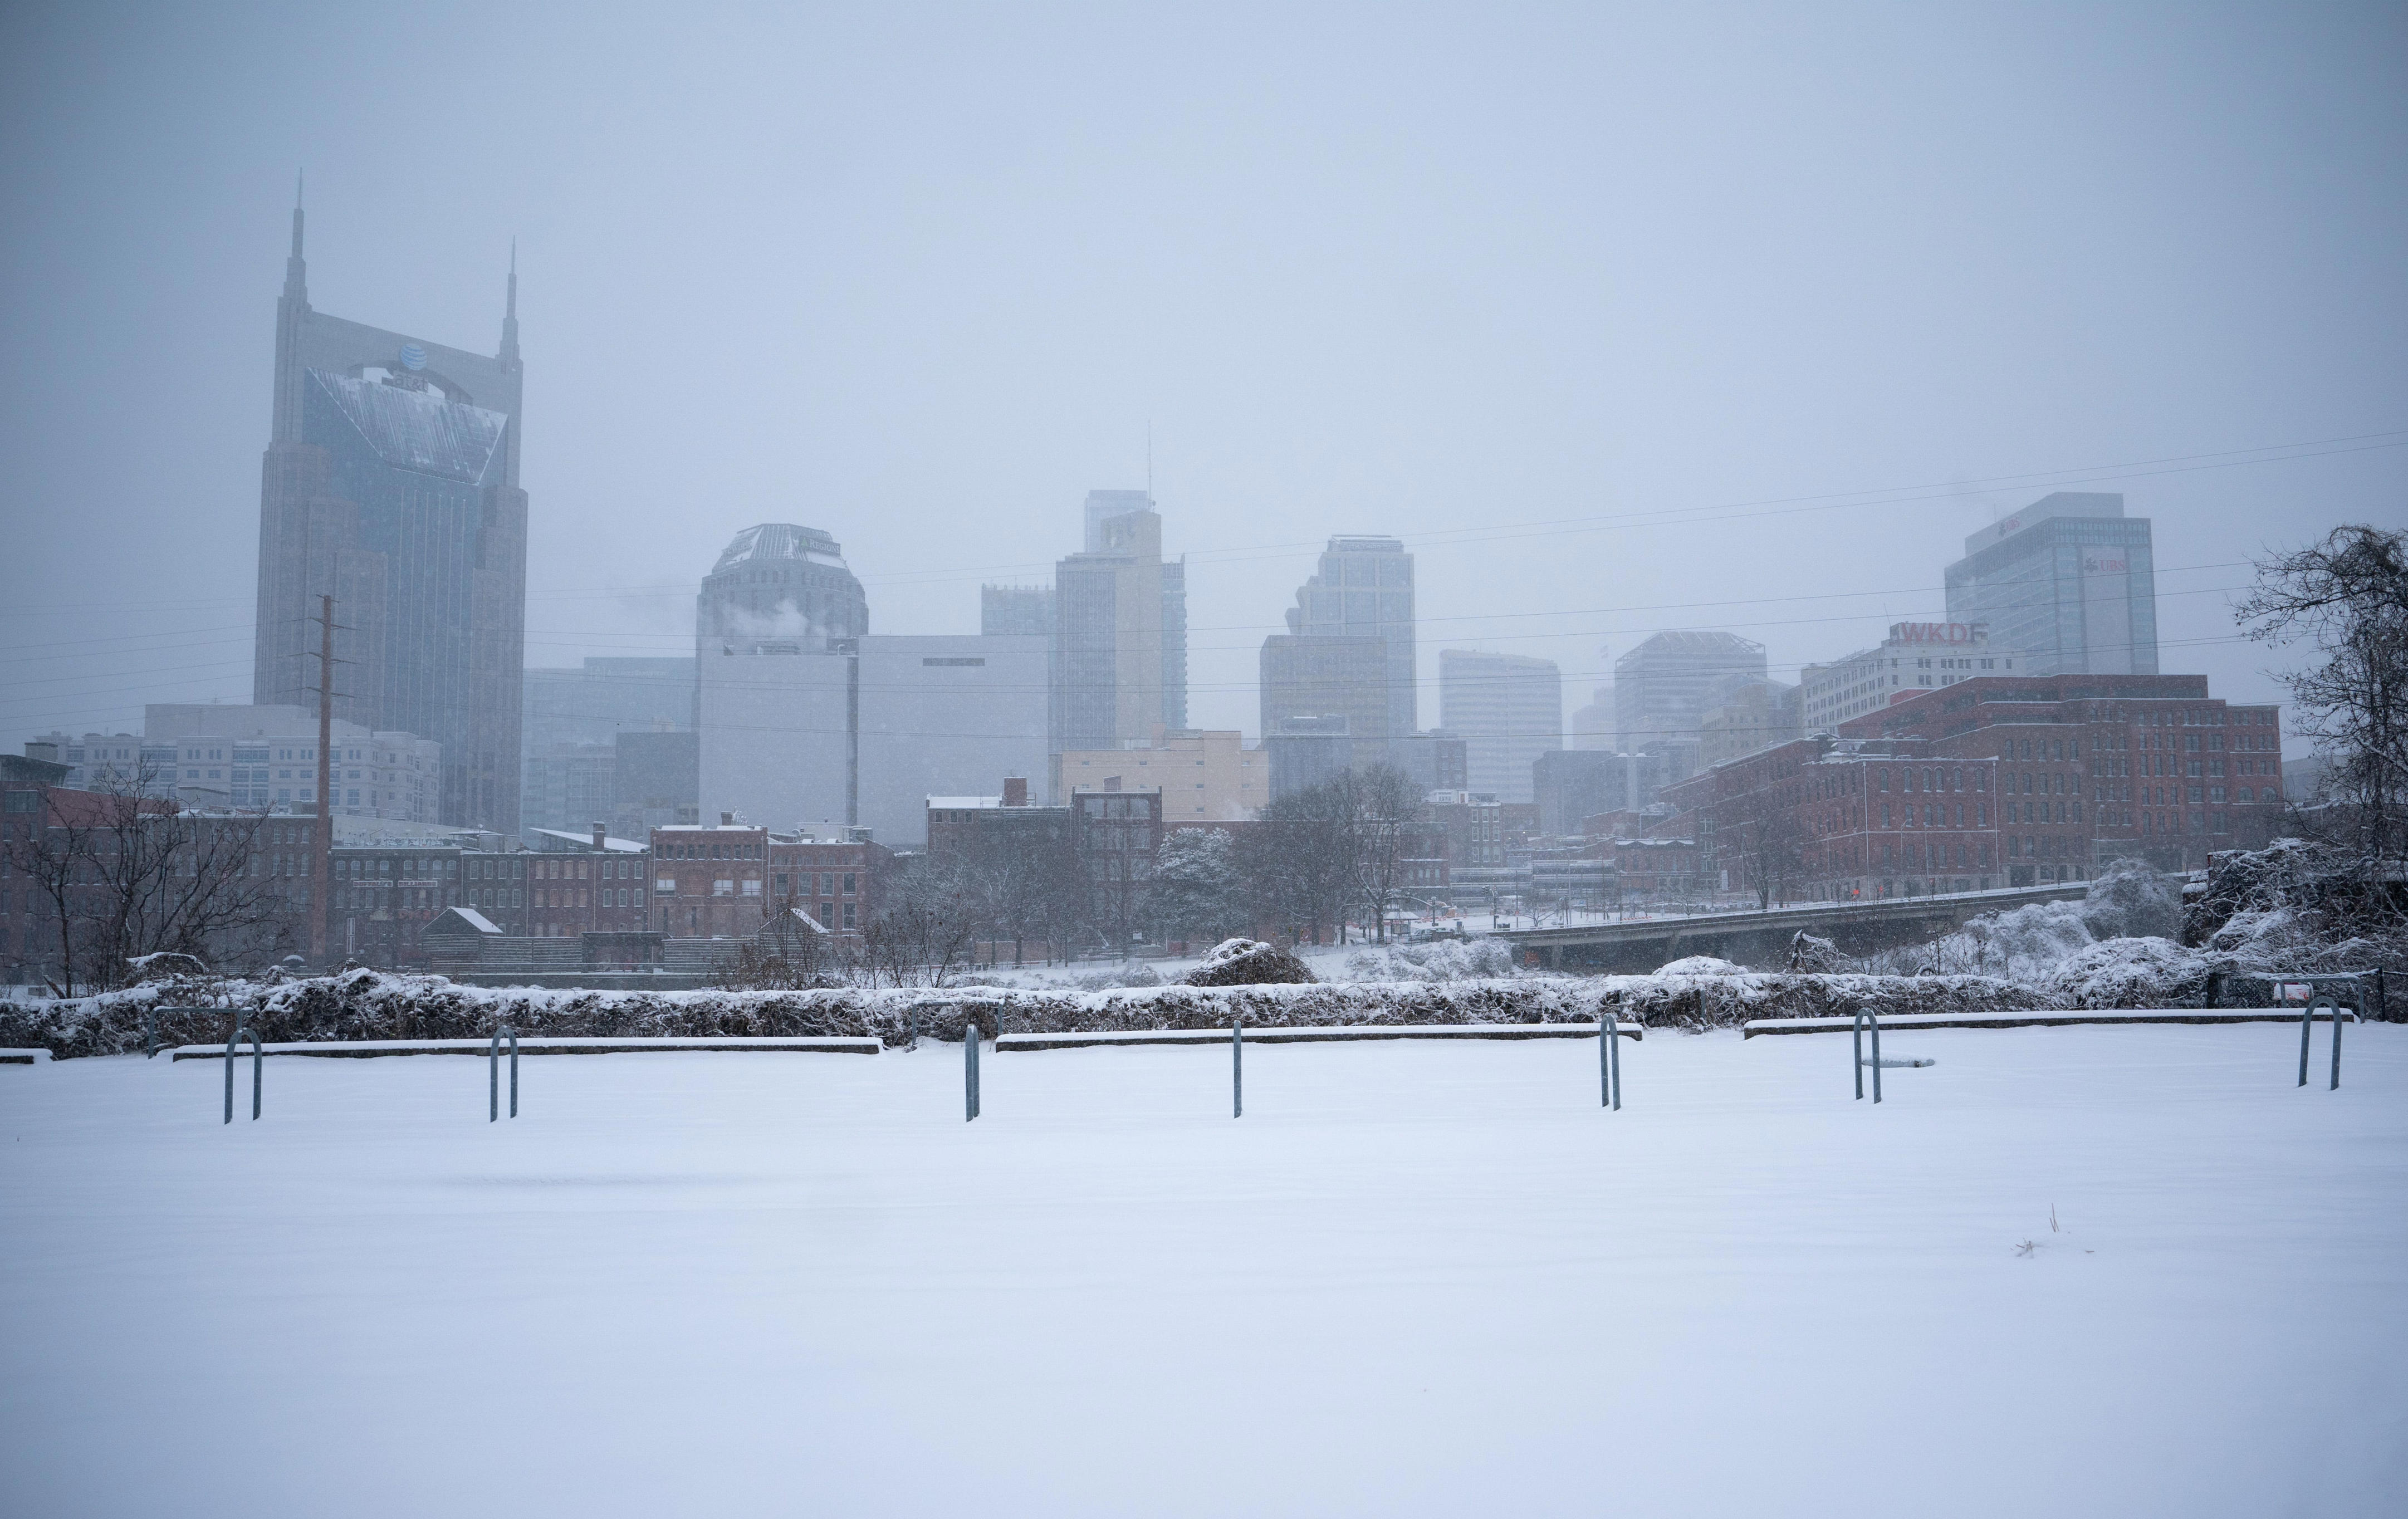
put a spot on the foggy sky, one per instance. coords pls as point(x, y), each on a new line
point(1548, 292)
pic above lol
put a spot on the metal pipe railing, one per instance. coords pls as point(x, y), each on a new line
point(1609, 1060)
point(969, 1071)
point(493, 1073)
point(2307, 1021)
point(258, 1053)
point(1856, 1041)
point(1237, 1070)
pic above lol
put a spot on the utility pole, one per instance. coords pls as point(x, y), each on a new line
point(322, 856)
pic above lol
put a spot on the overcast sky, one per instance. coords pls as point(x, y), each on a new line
point(1626, 319)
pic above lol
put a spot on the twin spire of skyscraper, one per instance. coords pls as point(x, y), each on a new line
point(297, 282)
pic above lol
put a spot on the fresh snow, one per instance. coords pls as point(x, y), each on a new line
point(1414, 1279)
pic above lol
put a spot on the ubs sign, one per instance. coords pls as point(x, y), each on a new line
point(1945, 633)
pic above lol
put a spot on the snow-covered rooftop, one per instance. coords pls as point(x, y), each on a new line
point(420, 430)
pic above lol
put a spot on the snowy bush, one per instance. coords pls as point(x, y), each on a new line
point(1128, 973)
point(2132, 901)
point(1701, 965)
point(1249, 962)
point(2132, 973)
point(1439, 959)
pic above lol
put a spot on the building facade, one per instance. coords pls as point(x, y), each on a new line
point(1324, 678)
point(1363, 588)
point(839, 881)
point(781, 586)
point(1110, 653)
point(1663, 688)
point(709, 882)
point(2097, 769)
point(1509, 709)
point(1915, 658)
point(1750, 715)
point(2070, 584)
point(1205, 775)
point(391, 482)
point(862, 734)
point(1996, 781)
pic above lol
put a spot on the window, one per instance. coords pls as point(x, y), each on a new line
point(665, 885)
point(723, 886)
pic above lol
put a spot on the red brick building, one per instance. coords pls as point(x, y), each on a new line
point(837, 881)
point(2093, 769)
point(709, 882)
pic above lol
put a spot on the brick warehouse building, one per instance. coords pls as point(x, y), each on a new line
point(1994, 781)
point(709, 882)
point(2093, 769)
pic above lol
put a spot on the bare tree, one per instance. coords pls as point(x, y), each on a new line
point(923, 934)
point(1295, 861)
point(124, 875)
point(787, 954)
point(2347, 597)
point(1375, 806)
point(1763, 838)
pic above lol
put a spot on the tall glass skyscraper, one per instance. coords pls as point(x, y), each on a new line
point(392, 483)
point(1364, 589)
point(2070, 583)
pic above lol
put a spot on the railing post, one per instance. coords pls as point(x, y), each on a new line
point(257, 1052)
point(493, 1073)
point(1865, 1016)
point(969, 1071)
point(1609, 1060)
point(1237, 1069)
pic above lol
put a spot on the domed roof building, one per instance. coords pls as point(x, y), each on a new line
point(778, 588)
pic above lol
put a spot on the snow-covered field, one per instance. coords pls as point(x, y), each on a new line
point(1414, 1279)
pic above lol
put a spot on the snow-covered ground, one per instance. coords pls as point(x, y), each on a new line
point(1414, 1279)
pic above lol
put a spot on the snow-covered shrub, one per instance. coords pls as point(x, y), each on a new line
point(1249, 962)
point(1701, 965)
point(1438, 959)
point(1694, 1002)
point(365, 1005)
point(1812, 956)
point(2130, 899)
point(1128, 973)
point(2132, 973)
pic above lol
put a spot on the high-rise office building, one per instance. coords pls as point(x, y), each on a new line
point(1325, 678)
point(1593, 725)
point(1016, 611)
point(1109, 623)
point(1509, 709)
point(2069, 584)
point(864, 733)
point(594, 702)
point(1363, 588)
point(1663, 689)
point(391, 482)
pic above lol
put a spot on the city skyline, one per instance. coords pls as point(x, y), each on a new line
point(1310, 352)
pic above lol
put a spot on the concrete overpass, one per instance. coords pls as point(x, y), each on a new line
point(1761, 940)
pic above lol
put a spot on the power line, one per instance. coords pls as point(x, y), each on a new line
point(1731, 511)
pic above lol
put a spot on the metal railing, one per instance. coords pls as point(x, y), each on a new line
point(969, 1071)
point(1237, 1070)
point(493, 1073)
point(258, 1058)
point(1609, 1060)
point(2307, 1021)
point(1856, 1041)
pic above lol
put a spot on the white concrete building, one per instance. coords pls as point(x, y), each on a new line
point(1915, 658)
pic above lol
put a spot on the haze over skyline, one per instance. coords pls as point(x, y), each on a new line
point(1738, 321)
